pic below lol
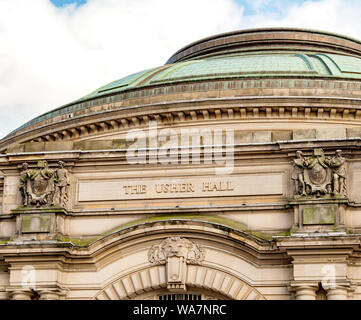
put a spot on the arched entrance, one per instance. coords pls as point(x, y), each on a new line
point(201, 281)
point(187, 260)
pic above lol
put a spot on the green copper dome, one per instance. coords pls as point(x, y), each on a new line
point(247, 54)
point(240, 66)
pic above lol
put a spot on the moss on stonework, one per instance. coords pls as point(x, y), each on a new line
point(78, 241)
point(224, 224)
point(325, 214)
point(173, 219)
point(42, 223)
point(33, 210)
point(269, 236)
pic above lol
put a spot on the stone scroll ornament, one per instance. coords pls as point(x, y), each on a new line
point(319, 175)
point(44, 186)
point(176, 253)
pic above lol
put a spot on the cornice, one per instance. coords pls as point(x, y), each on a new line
point(244, 151)
point(168, 95)
point(248, 109)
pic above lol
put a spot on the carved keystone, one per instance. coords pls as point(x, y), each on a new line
point(176, 253)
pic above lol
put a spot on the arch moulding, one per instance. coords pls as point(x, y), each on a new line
point(153, 278)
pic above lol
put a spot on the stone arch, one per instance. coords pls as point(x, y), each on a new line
point(198, 277)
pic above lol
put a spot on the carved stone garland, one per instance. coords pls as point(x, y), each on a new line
point(176, 253)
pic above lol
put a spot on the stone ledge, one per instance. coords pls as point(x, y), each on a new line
point(40, 210)
point(322, 200)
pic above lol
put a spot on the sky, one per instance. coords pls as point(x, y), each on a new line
point(54, 52)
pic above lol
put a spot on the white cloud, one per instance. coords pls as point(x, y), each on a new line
point(338, 16)
point(258, 5)
point(50, 56)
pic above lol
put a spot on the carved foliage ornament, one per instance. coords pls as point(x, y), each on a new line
point(43, 185)
point(319, 175)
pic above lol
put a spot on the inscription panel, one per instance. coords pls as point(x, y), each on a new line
point(160, 188)
point(319, 214)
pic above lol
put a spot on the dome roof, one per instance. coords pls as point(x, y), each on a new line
point(255, 65)
point(269, 39)
point(246, 54)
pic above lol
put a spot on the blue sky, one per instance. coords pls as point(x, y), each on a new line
point(250, 6)
point(60, 3)
point(276, 6)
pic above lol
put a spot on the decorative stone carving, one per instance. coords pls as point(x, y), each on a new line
point(176, 247)
point(176, 253)
point(39, 185)
point(43, 185)
point(337, 164)
point(62, 185)
point(319, 175)
point(24, 179)
point(297, 175)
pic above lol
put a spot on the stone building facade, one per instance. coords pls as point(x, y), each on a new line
point(231, 172)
